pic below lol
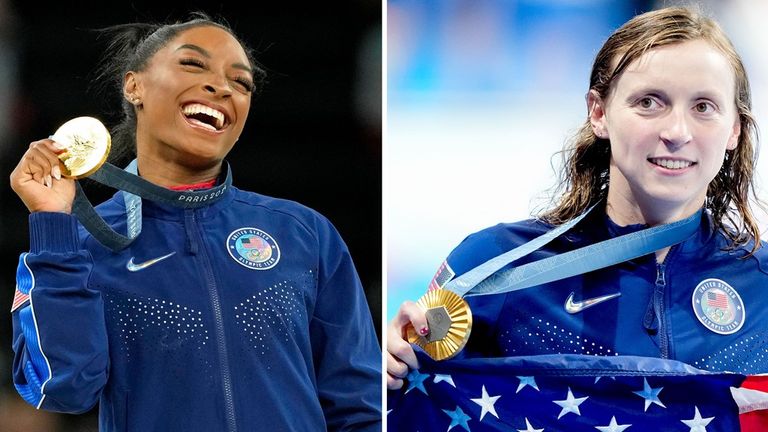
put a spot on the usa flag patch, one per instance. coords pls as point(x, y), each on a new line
point(443, 275)
point(24, 283)
point(19, 299)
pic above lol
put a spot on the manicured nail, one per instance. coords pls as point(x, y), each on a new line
point(56, 144)
point(423, 331)
point(56, 171)
point(47, 180)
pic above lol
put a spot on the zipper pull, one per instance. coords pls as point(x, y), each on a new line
point(660, 281)
point(189, 226)
point(650, 323)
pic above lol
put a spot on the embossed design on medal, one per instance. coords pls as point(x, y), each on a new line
point(87, 142)
point(450, 322)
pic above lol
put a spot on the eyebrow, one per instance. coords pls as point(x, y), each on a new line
point(706, 94)
point(206, 54)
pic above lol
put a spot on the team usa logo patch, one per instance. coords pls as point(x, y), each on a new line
point(253, 248)
point(718, 306)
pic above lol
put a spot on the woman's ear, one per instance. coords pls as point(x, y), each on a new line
point(733, 140)
point(131, 89)
point(596, 114)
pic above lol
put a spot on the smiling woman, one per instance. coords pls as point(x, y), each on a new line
point(234, 297)
point(668, 139)
point(208, 122)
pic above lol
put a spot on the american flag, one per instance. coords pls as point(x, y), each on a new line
point(19, 299)
point(24, 283)
point(572, 393)
point(252, 242)
point(443, 275)
point(717, 299)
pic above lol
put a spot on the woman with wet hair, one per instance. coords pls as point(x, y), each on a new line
point(240, 313)
point(668, 137)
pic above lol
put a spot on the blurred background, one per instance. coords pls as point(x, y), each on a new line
point(315, 131)
point(482, 94)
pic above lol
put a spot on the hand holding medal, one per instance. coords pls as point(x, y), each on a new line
point(79, 149)
point(449, 320)
point(448, 315)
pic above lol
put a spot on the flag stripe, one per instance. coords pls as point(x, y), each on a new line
point(19, 299)
point(443, 275)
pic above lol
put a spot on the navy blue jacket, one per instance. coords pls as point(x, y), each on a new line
point(243, 315)
point(703, 305)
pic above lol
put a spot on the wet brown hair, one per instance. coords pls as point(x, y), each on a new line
point(585, 178)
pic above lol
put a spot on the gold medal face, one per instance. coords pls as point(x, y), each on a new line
point(449, 320)
point(87, 142)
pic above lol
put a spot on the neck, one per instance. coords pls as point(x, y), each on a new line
point(625, 209)
point(169, 174)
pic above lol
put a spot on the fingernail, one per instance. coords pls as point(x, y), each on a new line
point(48, 181)
point(423, 331)
point(56, 171)
point(56, 144)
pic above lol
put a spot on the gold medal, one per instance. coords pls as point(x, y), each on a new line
point(86, 141)
point(449, 320)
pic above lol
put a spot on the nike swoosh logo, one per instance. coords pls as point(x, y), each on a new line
point(573, 307)
point(141, 266)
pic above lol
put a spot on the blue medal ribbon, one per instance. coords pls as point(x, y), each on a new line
point(134, 189)
point(485, 278)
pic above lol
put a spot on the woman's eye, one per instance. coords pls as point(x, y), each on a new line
point(246, 84)
point(704, 107)
point(192, 62)
point(647, 103)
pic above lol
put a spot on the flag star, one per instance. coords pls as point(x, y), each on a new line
point(416, 381)
point(698, 424)
point(446, 378)
point(486, 403)
point(651, 395)
point(570, 404)
point(526, 381)
point(529, 428)
point(612, 426)
point(458, 418)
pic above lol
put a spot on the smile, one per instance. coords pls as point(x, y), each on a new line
point(204, 116)
point(671, 164)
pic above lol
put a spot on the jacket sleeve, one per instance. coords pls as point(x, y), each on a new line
point(59, 332)
point(345, 349)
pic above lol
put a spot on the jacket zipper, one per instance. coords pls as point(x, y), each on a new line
point(226, 376)
point(658, 304)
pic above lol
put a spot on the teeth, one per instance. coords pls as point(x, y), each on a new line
point(199, 123)
point(196, 108)
point(671, 164)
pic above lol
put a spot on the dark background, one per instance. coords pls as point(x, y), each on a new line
point(313, 135)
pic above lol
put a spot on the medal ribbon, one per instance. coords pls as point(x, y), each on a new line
point(484, 280)
point(134, 188)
